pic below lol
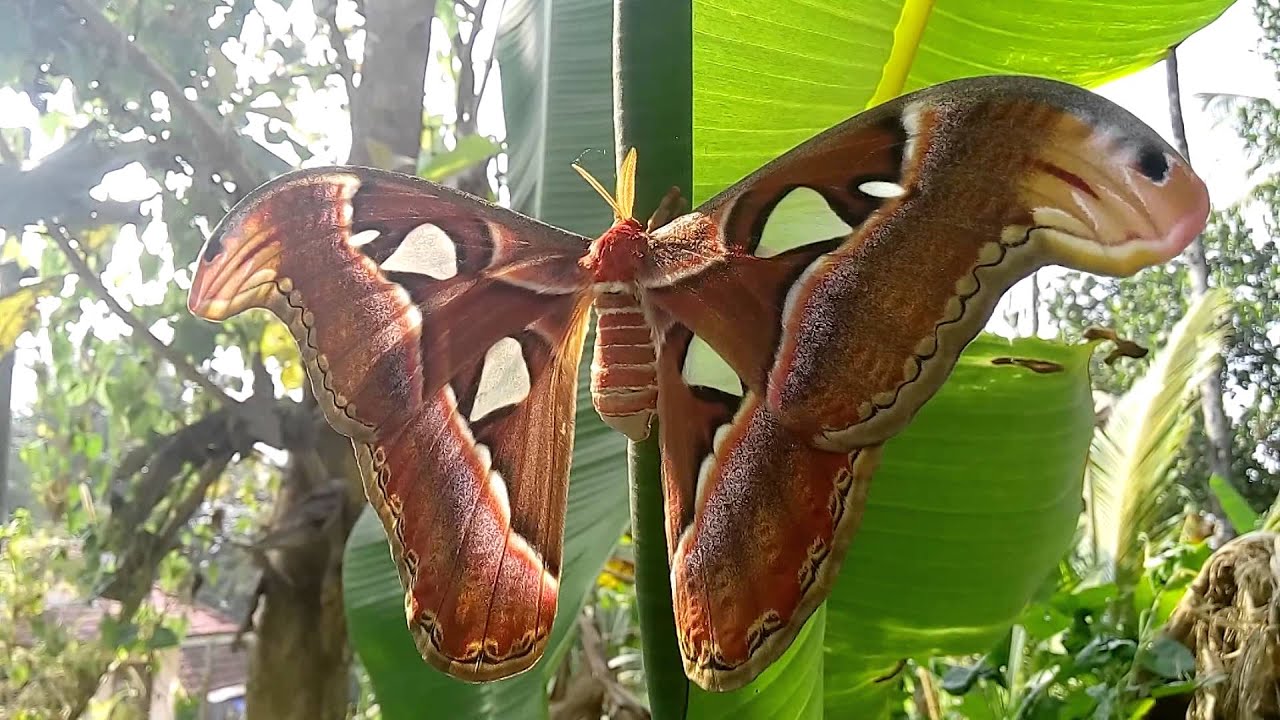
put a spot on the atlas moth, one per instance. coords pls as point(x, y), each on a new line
point(833, 290)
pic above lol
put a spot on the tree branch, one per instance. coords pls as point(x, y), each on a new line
point(488, 64)
point(91, 279)
point(210, 139)
point(181, 511)
point(345, 66)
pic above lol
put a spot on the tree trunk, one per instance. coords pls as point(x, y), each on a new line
point(1217, 426)
point(386, 112)
point(301, 661)
point(300, 668)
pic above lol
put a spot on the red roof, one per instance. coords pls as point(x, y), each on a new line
point(82, 617)
point(207, 662)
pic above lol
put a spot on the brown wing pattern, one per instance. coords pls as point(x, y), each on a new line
point(442, 334)
point(757, 518)
point(841, 283)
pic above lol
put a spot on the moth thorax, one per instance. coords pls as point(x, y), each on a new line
point(624, 373)
point(617, 255)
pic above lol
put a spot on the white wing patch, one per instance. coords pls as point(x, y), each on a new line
point(705, 368)
point(426, 250)
point(801, 218)
point(882, 189)
point(504, 379)
point(364, 237)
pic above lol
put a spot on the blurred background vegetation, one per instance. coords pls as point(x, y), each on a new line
point(183, 537)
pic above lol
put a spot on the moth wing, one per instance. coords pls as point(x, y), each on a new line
point(442, 334)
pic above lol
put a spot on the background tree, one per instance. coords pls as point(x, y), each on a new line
point(1242, 257)
point(141, 410)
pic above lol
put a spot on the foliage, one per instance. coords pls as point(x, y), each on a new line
point(183, 108)
point(1243, 258)
point(1088, 645)
point(1070, 657)
point(17, 311)
point(48, 664)
point(767, 76)
point(1143, 307)
point(1129, 474)
point(1242, 517)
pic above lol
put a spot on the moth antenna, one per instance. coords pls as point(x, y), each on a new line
point(627, 185)
point(595, 184)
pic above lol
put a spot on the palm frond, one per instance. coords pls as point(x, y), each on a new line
point(1131, 456)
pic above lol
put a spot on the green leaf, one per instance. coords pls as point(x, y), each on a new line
point(161, 638)
point(1238, 511)
point(557, 91)
point(1183, 687)
point(1141, 708)
point(971, 508)
point(375, 600)
point(1043, 621)
point(276, 342)
point(770, 75)
point(471, 150)
point(149, 265)
point(1094, 595)
point(789, 688)
point(195, 338)
point(960, 679)
point(1103, 651)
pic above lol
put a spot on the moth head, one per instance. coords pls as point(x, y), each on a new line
point(1107, 195)
point(240, 265)
point(235, 269)
point(622, 202)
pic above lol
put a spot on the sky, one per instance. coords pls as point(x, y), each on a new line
point(1222, 58)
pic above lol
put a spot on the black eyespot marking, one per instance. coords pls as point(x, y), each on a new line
point(213, 248)
point(1153, 163)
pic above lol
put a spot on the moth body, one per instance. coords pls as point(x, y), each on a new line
point(781, 332)
point(615, 256)
point(624, 369)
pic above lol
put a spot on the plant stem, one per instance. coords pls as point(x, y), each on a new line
point(665, 680)
point(653, 94)
point(653, 111)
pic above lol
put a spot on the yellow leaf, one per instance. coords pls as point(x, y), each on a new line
point(617, 573)
point(292, 376)
point(277, 342)
point(11, 250)
point(17, 310)
point(93, 240)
